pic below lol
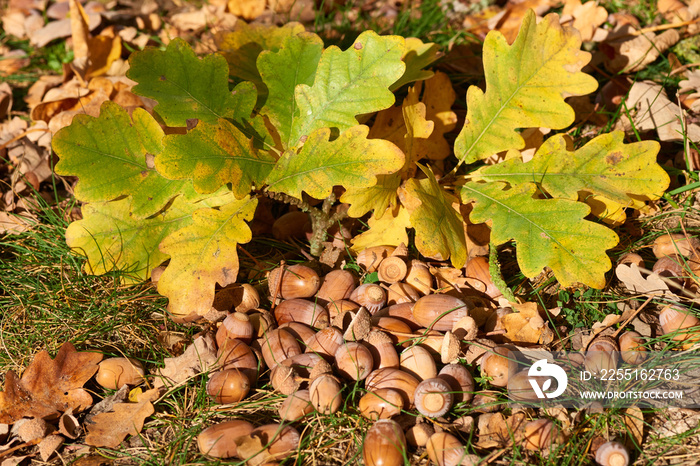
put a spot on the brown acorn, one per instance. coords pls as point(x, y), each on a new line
point(337, 285)
point(218, 440)
point(439, 311)
point(293, 281)
point(229, 386)
point(380, 404)
point(384, 445)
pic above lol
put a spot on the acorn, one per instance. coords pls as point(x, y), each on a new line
point(112, 373)
point(631, 258)
point(439, 311)
point(384, 444)
point(370, 258)
point(294, 224)
point(677, 322)
point(218, 440)
point(495, 364)
point(337, 285)
point(370, 296)
point(296, 406)
point(399, 293)
point(461, 381)
point(418, 362)
point(278, 345)
point(228, 386)
point(418, 434)
point(326, 396)
point(445, 449)
point(393, 269)
point(380, 404)
point(477, 268)
point(301, 310)
point(612, 454)
point(300, 331)
point(675, 244)
point(335, 308)
point(235, 354)
point(401, 311)
point(325, 342)
point(602, 355)
point(279, 442)
point(235, 325)
point(293, 281)
point(540, 434)
point(353, 361)
point(419, 277)
point(396, 379)
point(433, 397)
point(382, 349)
point(632, 349)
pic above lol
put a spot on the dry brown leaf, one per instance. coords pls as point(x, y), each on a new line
point(14, 224)
point(109, 429)
point(651, 109)
point(48, 386)
point(689, 91)
point(586, 17)
point(633, 280)
point(495, 431)
point(199, 357)
point(59, 29)
point(634, 421)
point(630, 55)
point(49, 445)
point(13, 23)
point(509, 20)
point(527, 325)
point(5, 100)
point(247, 9)
point(667, 6)
point(13, 61)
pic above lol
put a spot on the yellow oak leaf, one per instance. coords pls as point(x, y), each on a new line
point(389, 229)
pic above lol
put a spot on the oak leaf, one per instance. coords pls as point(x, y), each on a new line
point(548, 232)
point(525, 87)
point(527, 325)
point(110, 429)
point(389, 229)
point(439, 227)
point(586, 17)
point(203, 254)
point(49, 387)
point(417, 55)
point(199, 357)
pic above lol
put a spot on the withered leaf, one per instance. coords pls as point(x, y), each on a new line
point(48, 386)
point(109, 429)
point(199, 357)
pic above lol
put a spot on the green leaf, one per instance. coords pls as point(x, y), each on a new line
point(109, 156)
point(548, 232)
point(294, 63)
point(349, 83)
point(185, 86)
point(242, 47)
point(213, 154)
point(350, 160)
point(417, 55)
point(605, 166)
point(525, 87)
point(439, 227)
point(203, 254)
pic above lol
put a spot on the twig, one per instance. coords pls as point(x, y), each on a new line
point(634, 314)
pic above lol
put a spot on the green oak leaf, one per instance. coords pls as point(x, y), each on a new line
point(294, 63)
point(212, 155)
point(112, 239)
point(350, 160)
point(187, 87)
point(417, 55)
point(242, 47)
point(605, 166)
point(526, 84)
point(203, 254)
point(439, 227)
point(349, 83)
point(109, 156)
point(548, 232)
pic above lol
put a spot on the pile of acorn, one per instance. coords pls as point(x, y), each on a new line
point(405, 339)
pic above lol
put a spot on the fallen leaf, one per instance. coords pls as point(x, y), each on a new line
point(586, 17)
point(689, 91)
point(13, 61)
point(14, 224)
point(389, 229)
point(109, 429)
point(199, 357)
point(48, 386)
point(58, 30)
point(527, 325)
point(247, 9)
point(633, 280)
point(49, 445)
point(630, 55)
point(634, 421)
point(5, 100)
point(651, 109)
